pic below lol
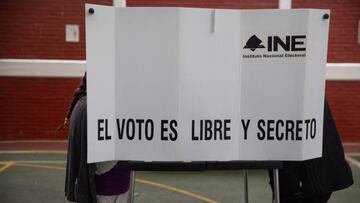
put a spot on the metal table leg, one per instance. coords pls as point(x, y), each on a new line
point(276, 186)
point(246, 189)
point(132, 186)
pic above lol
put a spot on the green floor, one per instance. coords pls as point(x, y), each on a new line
point(40, 178)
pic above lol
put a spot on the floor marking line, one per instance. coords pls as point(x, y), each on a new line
point(39, 166)
point(6, 165)
point(353, 161)
point(205, 199)
point(352, 154)
point(39, 162)
point(32, 141)
point(34, 152)
point(184, 192)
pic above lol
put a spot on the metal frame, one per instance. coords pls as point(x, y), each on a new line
point(276, 196)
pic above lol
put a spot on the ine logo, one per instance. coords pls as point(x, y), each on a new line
point(275, 43)
point(253, 43)
point(275, 46)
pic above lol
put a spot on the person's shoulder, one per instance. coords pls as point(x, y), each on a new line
point(79, 108)
point(82, 102)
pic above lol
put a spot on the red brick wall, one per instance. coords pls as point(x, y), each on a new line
point(344, 100)
point(36, 29)
point(345, 16)
point(33, 107)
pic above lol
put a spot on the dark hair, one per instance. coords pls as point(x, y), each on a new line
point(79, 92)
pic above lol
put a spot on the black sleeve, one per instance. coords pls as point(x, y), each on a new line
point(77, 131)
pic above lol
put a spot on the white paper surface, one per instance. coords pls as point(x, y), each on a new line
point(155, 75)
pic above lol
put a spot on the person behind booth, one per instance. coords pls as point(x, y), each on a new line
point(313, 181)
point(104, 182)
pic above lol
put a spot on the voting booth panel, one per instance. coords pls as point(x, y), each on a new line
point(185, 84)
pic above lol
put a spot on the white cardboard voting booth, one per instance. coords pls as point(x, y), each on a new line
point(186, 84)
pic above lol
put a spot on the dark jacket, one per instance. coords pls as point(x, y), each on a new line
point(318, 176)
point(80, 180)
